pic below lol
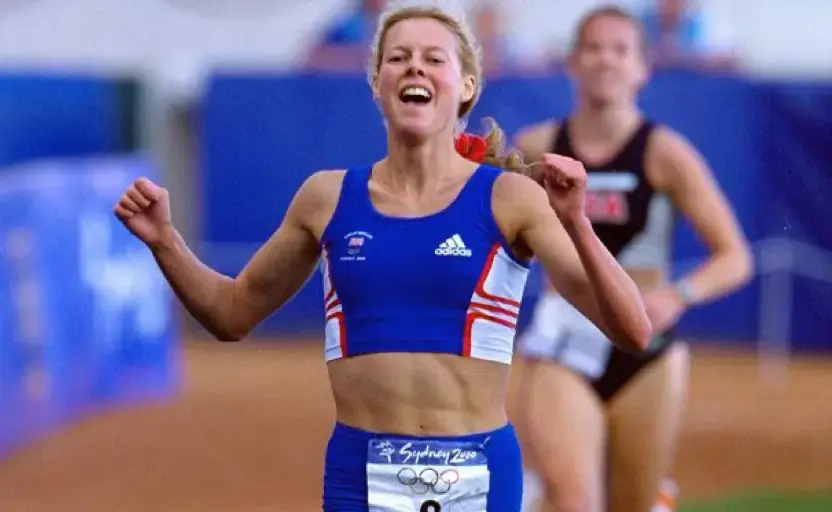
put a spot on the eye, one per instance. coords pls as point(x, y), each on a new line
point(592, 46)
point(435, 60)
point(395, 58)
point(622, 49)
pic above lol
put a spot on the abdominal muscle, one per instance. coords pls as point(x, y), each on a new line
point(419, 393)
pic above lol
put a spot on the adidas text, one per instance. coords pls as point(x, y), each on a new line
point(452, 251)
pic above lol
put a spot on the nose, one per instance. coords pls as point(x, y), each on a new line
point(607, 58)
point(415, 68)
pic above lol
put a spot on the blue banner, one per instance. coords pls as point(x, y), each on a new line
point(44, 116)
point(769, 145)
point(86, 318)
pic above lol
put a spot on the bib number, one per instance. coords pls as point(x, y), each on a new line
point(431, 506)
point(426, 476)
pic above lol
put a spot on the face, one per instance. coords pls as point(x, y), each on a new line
point(608, 63)
point(671, 10)
point(374, 6)
point(420, 82)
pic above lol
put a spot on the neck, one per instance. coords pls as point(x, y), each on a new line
point(604, 122)
point(414, 164)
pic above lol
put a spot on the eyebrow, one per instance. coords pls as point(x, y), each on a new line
point(427, 49)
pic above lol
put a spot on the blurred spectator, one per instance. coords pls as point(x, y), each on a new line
point(503, 51)
point(489, 32)
point(358, 25)
point(684, 33)
point(346, 43)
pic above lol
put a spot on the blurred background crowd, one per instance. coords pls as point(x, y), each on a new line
point(232, 103)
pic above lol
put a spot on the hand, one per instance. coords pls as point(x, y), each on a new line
point(664, 308)
point(565, 182)
point(145, 209)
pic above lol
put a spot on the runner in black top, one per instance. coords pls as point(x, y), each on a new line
point(599, 425)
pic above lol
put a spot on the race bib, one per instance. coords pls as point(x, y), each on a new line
point(426, 476)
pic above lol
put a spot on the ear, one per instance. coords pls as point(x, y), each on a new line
point(469, 89)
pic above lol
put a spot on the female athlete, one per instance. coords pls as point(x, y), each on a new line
point(599, 424)
point(424, 256)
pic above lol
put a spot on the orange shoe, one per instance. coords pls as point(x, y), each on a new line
point(666, 500)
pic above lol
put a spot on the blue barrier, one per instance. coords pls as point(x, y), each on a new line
point(44, 116)
point(263, 134)
point(86, 318)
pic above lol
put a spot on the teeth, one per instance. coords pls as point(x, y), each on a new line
point(416, 91)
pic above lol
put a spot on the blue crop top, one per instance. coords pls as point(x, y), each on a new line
point(445, 282)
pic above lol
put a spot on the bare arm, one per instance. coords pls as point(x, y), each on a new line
point(231, 308)
point(677, 168)
point(579, 266)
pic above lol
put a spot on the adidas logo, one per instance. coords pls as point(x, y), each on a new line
point(453, 246)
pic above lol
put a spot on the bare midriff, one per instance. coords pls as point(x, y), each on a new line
point(419, 393)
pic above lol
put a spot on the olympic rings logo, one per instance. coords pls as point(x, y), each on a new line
point(428, 480)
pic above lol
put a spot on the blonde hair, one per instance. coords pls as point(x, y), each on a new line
point(470, 57)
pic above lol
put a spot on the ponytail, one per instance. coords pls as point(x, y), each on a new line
point(491, 148)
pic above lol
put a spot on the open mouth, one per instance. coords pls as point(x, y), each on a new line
point(415, 95)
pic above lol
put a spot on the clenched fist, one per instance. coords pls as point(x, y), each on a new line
point(565, 181)
point(145, 209)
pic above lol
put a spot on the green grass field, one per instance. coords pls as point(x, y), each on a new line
point(767, 502)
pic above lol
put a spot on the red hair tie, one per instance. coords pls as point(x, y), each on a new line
point(472, 147)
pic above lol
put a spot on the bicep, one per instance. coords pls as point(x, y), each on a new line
point(279, 268)
point(696, 193)
point(552, 247)
point(544, 235)
point(524, 209)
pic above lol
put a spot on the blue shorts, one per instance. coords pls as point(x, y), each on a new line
point(374, 472)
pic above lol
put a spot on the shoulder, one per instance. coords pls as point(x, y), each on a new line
point(325, 179)
point(539, 131)
point(515, 187)
point(517, 199)
point(665, 140)
point(536, 139)
point(316, 200)
point(521, 207)
point(321, 187)
point(670, 153)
